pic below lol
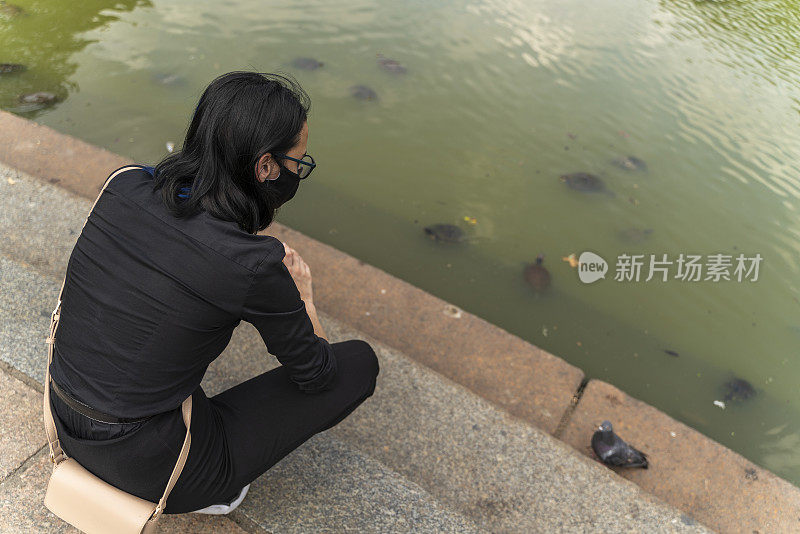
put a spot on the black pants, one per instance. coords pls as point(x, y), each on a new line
point(237, 435)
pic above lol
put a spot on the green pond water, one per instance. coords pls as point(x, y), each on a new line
point(499, 100)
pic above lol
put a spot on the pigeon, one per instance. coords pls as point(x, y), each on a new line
point(613, 450)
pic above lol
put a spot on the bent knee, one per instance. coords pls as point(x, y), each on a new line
point(357, 360)
point(366, 355)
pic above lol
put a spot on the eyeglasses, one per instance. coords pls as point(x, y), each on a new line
point(304, 165)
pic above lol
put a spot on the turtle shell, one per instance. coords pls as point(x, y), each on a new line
point(306, 63)
point(362, 92)
point(537, 276)
point(738, 389)
point(445, 232)
point(7, 68)
point(583, 181)
point(630, 163)
point(391, 65)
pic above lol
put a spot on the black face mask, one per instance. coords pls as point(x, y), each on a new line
point(286, 184)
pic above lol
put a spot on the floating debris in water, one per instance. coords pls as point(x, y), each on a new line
point(671, 353)
point(571, 259)
point(720, 404)
point(170, 146)
point(471, 220)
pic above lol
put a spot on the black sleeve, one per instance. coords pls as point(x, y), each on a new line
point(273, 305)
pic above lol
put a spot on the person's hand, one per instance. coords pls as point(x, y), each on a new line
point(300, 272)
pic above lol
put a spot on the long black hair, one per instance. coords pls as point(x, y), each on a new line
point(240, 116)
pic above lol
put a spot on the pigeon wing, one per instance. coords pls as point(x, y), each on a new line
point(635, 457)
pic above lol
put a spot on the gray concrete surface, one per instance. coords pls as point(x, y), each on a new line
point(21, 423)
point(326, 485)
point(423, 454)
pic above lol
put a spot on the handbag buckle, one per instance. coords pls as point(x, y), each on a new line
point(61, 456)
point(55, 314)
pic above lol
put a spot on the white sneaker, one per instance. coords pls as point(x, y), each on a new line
point(223, 508)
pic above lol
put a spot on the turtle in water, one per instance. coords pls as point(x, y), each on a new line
point(449, 233)
point(738, 389)
point(306, 63)
point(634, 235)
point(362, 92)
point(8, 68)
point(536, 274)
point(586, 182)
point(630, 163)
point(41, 97)
point(10, 10)
point(390, 65)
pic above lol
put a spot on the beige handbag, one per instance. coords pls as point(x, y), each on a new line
point(84, 500)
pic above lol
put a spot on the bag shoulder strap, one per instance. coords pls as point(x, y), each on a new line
point(57, 454)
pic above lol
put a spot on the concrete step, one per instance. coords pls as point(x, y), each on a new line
point(420, 444)
point(327, 485)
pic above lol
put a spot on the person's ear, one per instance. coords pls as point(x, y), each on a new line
point(267, 168)
point(274, 170)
